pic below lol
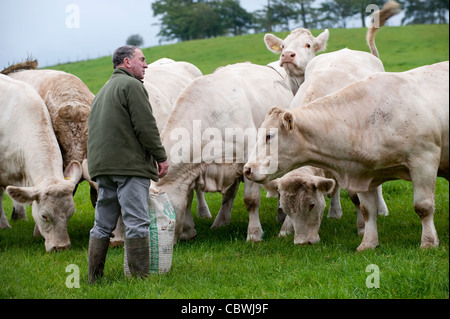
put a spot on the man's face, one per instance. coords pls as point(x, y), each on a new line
point(136, 64)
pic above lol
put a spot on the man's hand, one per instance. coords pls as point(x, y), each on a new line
point(163, 168)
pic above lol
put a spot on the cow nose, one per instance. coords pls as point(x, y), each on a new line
point(288, 56)
point(61, 248)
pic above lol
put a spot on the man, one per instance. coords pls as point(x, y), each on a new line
point(124, 153)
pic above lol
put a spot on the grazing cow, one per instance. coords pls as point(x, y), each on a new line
point(302, 199)
point(31, 165)
point(68, 100)
point(399, 131)
point(231, 102)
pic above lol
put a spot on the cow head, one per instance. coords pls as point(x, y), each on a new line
point(299, 47)
point(276, 150)
point(302, 199)
point(52, 206)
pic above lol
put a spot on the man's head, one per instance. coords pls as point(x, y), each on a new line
point(132, 59)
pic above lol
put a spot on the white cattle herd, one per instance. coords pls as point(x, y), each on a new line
point(303, 127)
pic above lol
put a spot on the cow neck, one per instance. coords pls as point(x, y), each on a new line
point(44, 163)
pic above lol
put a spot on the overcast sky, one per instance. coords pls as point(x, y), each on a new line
point(59, 31)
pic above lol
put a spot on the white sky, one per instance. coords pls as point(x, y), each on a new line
point(59, 31)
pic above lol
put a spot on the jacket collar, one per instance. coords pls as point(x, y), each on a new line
point(120, 70)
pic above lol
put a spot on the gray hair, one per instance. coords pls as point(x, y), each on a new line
point(126, 51)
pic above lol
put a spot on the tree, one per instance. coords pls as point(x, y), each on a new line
point(189, 19)
point(234, 18)
point(425, 12)
point(135, 40)
point(338, 11)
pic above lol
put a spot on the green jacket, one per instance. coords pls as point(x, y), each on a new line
point(123, 138)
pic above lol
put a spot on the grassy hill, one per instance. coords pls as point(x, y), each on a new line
point(400, 48)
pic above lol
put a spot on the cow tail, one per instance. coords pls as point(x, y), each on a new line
point(379, 18)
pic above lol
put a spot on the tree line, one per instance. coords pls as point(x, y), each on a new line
point(197, 19)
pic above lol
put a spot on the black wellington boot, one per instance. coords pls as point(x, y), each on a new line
point(98, 248)
point(138, 255)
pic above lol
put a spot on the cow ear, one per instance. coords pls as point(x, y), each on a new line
point(73, 172)
point(325, 185)
point(273, 43)
point(23, 195)
point(320, 44)
point(288, 120)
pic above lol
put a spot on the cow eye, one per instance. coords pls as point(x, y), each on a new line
point(44, 217)
point(307, 45)
point(268, 137)
point(311, 206)
point(282, 47)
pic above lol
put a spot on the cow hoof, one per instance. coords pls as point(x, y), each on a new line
point(220, 223)
point(283, 233)
point(429, 244)
point(116, 243)
point(255, 236)
point(364, 246)
point(204, 214)
point(4, 225)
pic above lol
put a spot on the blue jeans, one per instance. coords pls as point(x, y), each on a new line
point(128, 194)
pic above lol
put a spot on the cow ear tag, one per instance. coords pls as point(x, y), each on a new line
point(275, 47)
point(67, 178)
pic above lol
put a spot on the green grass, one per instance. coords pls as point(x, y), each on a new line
point(220, 263)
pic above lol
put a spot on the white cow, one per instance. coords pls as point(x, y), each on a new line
point(399, 131)
point(68, 100)
point(31, 165)
point(326, 74)
point(212, 117)
point(164, 80)
point(301, 196)
point(300, 46)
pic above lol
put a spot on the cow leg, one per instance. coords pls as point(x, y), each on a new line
point(3, 220)
point(335, 210)
point(252, 200)
point(19, 212)
point(119, 233)
point(223, 218)
point(382, 207)
point(424, 206)
point(359, 217)
point(281, 215)
point(369, 210)
point(202, 206)
point(189, 231)
point(287, 228)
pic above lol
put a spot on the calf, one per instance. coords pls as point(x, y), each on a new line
point(301, 196)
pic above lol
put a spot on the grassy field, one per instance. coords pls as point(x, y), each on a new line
point(220, 263)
